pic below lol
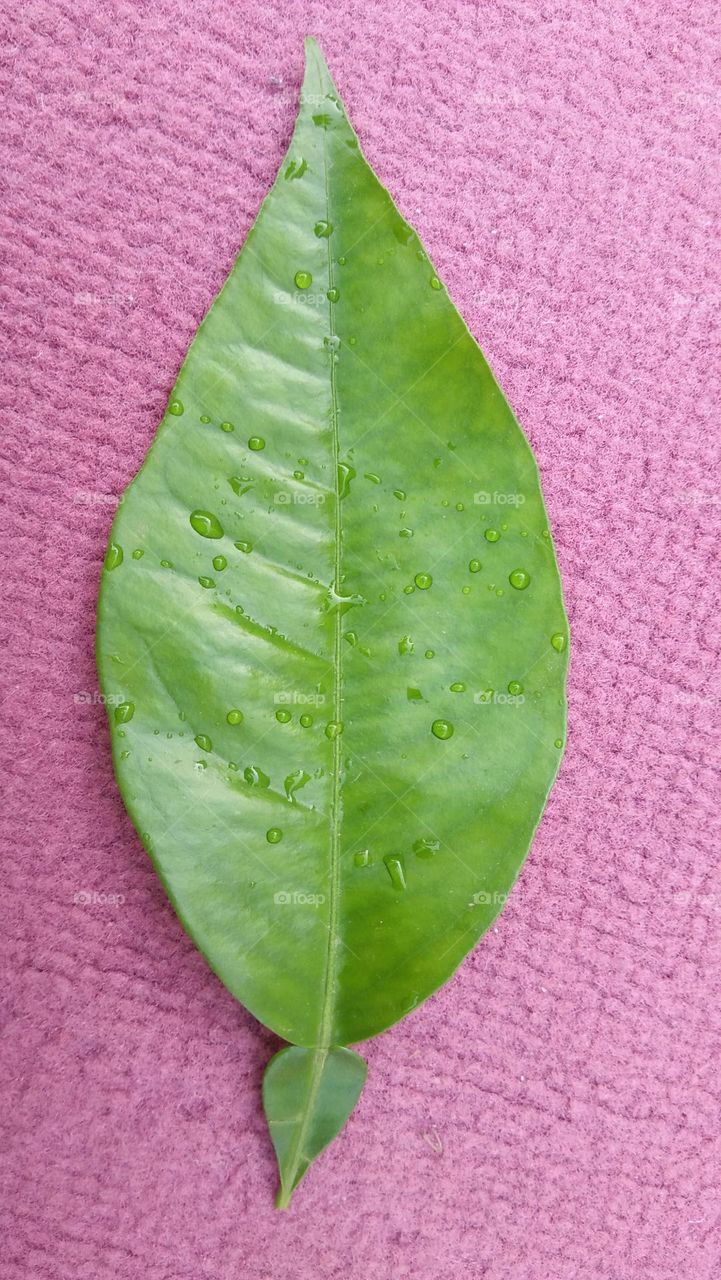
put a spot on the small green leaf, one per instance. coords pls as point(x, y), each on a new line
point(308, 1094)
point(344, 647)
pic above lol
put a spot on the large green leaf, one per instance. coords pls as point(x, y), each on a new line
point(331, 628)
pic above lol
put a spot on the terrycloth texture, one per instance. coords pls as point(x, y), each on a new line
point(553, 1112)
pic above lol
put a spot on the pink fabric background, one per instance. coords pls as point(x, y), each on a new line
point(553, 1112)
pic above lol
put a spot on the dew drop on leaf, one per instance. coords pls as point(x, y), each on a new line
point(423, 581)
point(206, 582)
point(333, 295)
point(306, 720)
point(256, 443)
point(442, 729)
point(124, 712)
point(227, 427)
point(474, 566)
point(396, 871)
point(114, 556)
point(203, 741)
point(283, 716)
point(333, 729)
point(519, 579)
point(234, 716)
point(558, 641)
point(206, 524)
point(176, 407)
point(323, 229)
point(274, 835)
point(303, 279)
point(515, 687)
point(491, 535)
point(219, 563)
point(138, 553)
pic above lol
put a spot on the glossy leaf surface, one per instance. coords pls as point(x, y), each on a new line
point(308, 1095)
point(331, 624)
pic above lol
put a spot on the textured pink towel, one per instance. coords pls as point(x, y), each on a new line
point(553, 1112)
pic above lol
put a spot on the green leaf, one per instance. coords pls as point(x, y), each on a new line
point(331, 629)
point(308, 1095)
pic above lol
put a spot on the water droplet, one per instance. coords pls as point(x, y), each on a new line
point(500, 591)
point(239, 485)
point(299, 475)
point(207, 582)
point(519, 579)
point(558, 641)
point(342, 261)
point(399, 494)
point(546, 533)
point(460, 506)
point(203, 741)
point(362, 858)
point(426, 847)
point(491, 535)
point(234, 716)
point(333, 729)
point(303, 279)
point(274, 835)
point(457, 687)
point(166, 564)
point(466, 591)
point(423, 581)
point(282, 715)
point(244, 546)
point(256, 443)
point(430, 653)
point(405, 533)
point(255, 776)
point(204, 418)
point(296, 168)
point(227, 427)
point(138, 553)
point(114, 556)
point(396, 871)
point(323, 229)
point(558, 743)
point(124, 712)
point(352, 341)
point(474, 566)
point(124, 755)
point(435, 282)
point(219, 563)
point(206, 524)
point(346, 473)
point(414, 695)
point(405, 645)
point(294, 782)
point(176, 407)
point(333, 295)
point(306, 720)
point(515, 687)
point(442, 729)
